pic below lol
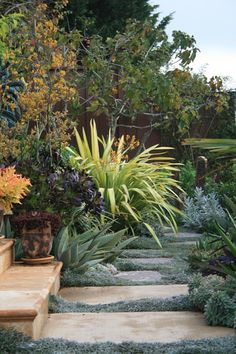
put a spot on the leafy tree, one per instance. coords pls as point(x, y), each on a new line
point(138, 72)
point(143, 72)
point(105, 17)
point(46, 59)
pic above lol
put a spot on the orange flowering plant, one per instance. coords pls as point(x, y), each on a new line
point(44, 57)
point(13, 187)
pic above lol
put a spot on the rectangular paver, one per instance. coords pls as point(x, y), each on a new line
point(111, 294)
point(131, 326)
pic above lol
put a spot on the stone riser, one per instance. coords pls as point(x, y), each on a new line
point(29, 325)
point(24, 295)
point(6, 254)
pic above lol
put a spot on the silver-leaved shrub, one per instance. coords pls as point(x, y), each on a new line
point(202, 209)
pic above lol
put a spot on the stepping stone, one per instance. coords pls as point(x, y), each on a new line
point(160, 260)
point(131, 326)
point(142, 275)
point(111, 294)
point(189, 235)
point(167, 229)
point(184, 243)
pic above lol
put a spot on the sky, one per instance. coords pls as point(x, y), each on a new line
point(213, 25)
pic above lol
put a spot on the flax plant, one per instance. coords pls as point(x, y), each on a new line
point(131, 187)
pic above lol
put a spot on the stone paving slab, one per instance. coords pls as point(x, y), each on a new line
point(184, 243)
point(189, 235)
point(131, 326)
point(157, 260)
point(22, 277)
point(140, 275)
point(110, 294)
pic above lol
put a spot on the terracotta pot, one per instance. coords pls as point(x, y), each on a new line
point(37, 243)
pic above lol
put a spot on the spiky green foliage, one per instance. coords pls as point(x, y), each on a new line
point(226, 263)
point(220, 309)
point(129, 187)
point(221, 147)
point(80, 251)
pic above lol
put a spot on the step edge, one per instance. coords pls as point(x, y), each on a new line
point(18, 315)
point(5, 247)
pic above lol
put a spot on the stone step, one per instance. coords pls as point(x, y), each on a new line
point(130, 326)
point(154, 260)
point(6, 254)
point(184, 236)
point(184, 243)
point(140, 275)
point(111, 294)
point(24, 293)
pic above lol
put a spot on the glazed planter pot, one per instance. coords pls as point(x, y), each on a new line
point(37, 242)
point(36, 230)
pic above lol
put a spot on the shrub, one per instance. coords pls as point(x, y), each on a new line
point(144, 182)
point(46, 57)
point(202, 288)
point(220, 309)
point(69, 188)
point(188, 178)
point(10, 108)
point(58, 188)
point(202, 210)
point(13, 188)
point(141, 230)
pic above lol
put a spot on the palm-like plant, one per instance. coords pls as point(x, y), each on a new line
point(144, 182)
point(221, 147)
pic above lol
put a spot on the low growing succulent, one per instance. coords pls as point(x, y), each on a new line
point(82, 250)
point(68, 188)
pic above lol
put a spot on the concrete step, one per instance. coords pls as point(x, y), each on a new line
point(140, 275)
point(24, 293)
point(184, 243)
point(111, 294)
point(187, 235)
point(155, 261)
point(130, 326)
point(6, 254)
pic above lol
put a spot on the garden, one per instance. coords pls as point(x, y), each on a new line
point(117, 165)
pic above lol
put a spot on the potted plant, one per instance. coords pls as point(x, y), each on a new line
point(13, 187)
point(36, 229)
